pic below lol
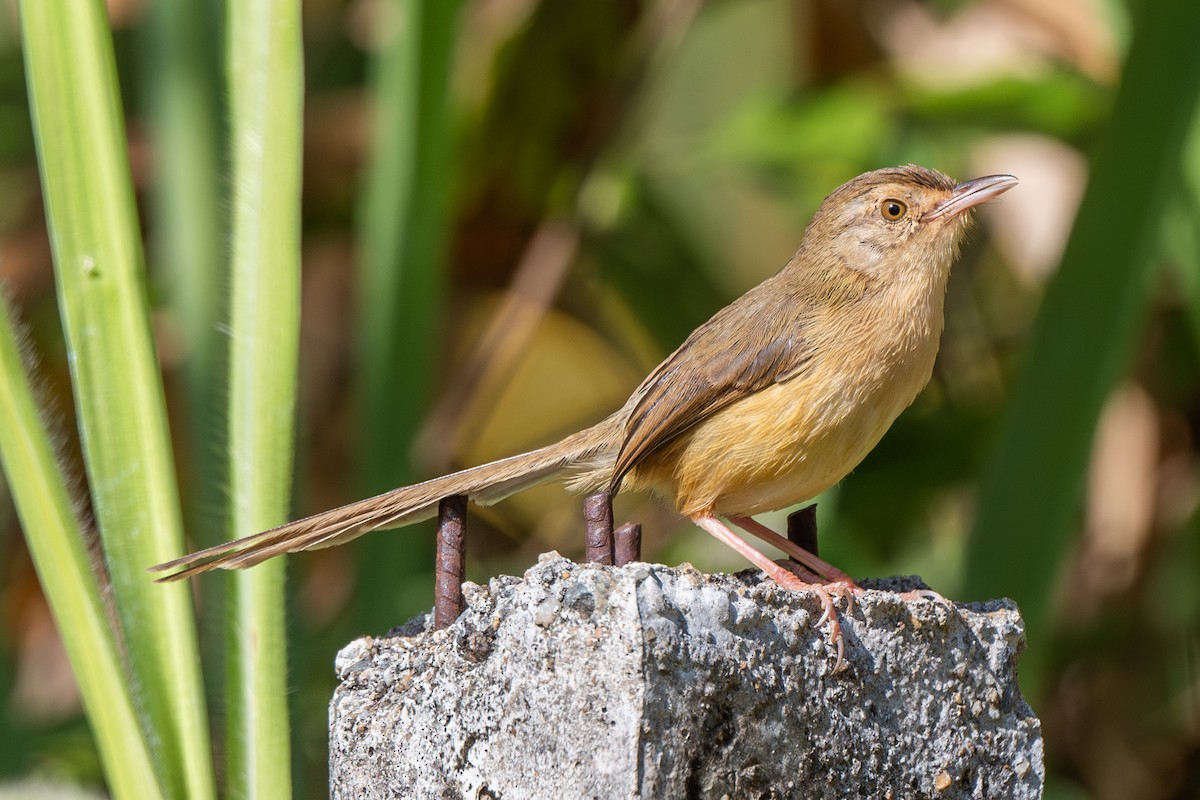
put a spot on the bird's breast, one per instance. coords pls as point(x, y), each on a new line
point(794, 439)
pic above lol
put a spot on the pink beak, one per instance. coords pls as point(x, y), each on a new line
point(972, 193)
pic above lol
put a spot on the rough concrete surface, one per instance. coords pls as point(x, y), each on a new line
point(582, 681)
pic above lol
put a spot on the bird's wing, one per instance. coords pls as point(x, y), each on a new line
point(734, 354)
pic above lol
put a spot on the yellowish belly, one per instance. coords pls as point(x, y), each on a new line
point(781, 445)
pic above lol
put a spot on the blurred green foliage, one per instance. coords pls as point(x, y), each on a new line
point(686, 145)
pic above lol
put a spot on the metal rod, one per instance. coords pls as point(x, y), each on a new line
point(628, 546)
point(802, 528)
point(598, 527)
point(450, 570)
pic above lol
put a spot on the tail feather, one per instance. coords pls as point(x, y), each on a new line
point(484, 485)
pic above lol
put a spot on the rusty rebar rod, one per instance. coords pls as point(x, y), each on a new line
point(628, 543)
point(598, 527)
point(450, 568)
point(802, 528)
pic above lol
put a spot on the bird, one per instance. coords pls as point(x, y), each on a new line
point(776, 398)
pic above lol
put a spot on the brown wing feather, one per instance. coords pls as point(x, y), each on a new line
point(710, 370)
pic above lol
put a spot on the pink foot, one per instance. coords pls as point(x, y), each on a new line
point(824, 588)
point(797, 579)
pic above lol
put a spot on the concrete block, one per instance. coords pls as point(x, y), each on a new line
point(582, 681)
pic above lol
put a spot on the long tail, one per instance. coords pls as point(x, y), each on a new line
point(485, 484)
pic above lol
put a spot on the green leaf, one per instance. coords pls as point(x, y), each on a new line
point(266, 95)
point(1029, 502)
point(118, 392)
point(190, 242)
point(56, 544)
point(403, 238)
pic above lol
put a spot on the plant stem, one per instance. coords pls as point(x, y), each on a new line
point(98, 261)
point(265, 77)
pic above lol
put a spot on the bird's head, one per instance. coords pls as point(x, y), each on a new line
point(900, 219)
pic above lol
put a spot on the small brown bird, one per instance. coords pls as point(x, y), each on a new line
point(773, 400)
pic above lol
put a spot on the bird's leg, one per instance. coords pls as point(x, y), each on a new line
point(779, 574)
point(812, 562)
point(721, 531)
point(817, 570)
point(800, 571)
point(832, 578)
point(821, 586)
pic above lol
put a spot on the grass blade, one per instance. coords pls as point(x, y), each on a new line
point(265, 70)
point(56, 544)
point(1082, 340)
point(403, 231)
point(182, 72)
point(118, 392)
point(402, 234)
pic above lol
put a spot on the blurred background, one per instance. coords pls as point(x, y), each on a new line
point(497, 250)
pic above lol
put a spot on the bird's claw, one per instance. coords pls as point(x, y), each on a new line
point(798, 579)
point(829, 614)
point(923, 594)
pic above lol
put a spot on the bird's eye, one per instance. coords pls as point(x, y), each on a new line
point(893, 210)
